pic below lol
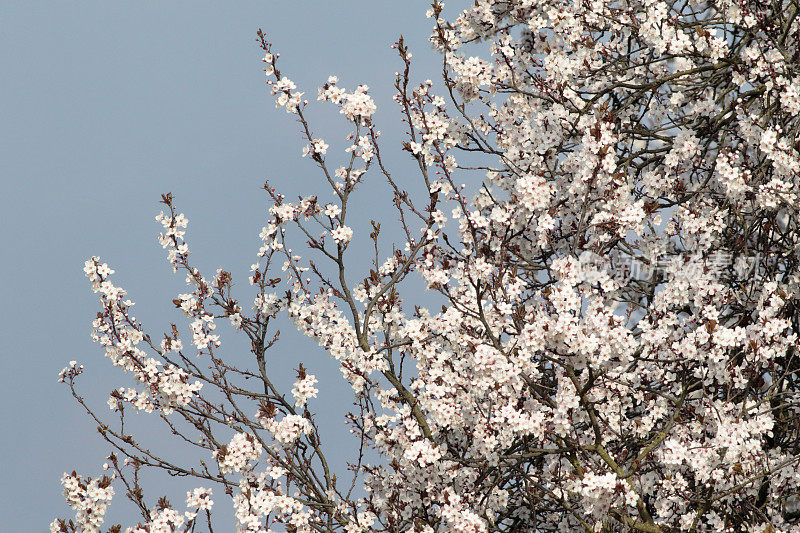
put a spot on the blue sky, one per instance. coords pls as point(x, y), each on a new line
point(104, 106)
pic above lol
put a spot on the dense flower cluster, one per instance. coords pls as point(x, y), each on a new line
point(89, 498)
point(304, 389)
point(609, 341)
point(354, 106)
point(342, 234)
point(237, 455)
point(287, 430)
point(200, 499)
point(358, 104)
point(166, 520)
point(259, 498)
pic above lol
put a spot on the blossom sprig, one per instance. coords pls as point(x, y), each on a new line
point(172, 237)
point(355, 106)
point(89, 498)
point(237, 455)
point(283, 88)
point(304, 388)
point(120, 333)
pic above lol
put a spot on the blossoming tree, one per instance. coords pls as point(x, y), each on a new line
point(617, 345)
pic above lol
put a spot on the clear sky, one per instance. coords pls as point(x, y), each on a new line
point(104, 106)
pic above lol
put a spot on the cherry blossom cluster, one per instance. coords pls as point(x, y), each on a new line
point(164, 520)
point(200, 499)
point(355, 106)
point(259, 498)
point(237, 455)
point(358, 104)
point(304, 388)
point(89, 498)
point(289, 429)
point(172, 237)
